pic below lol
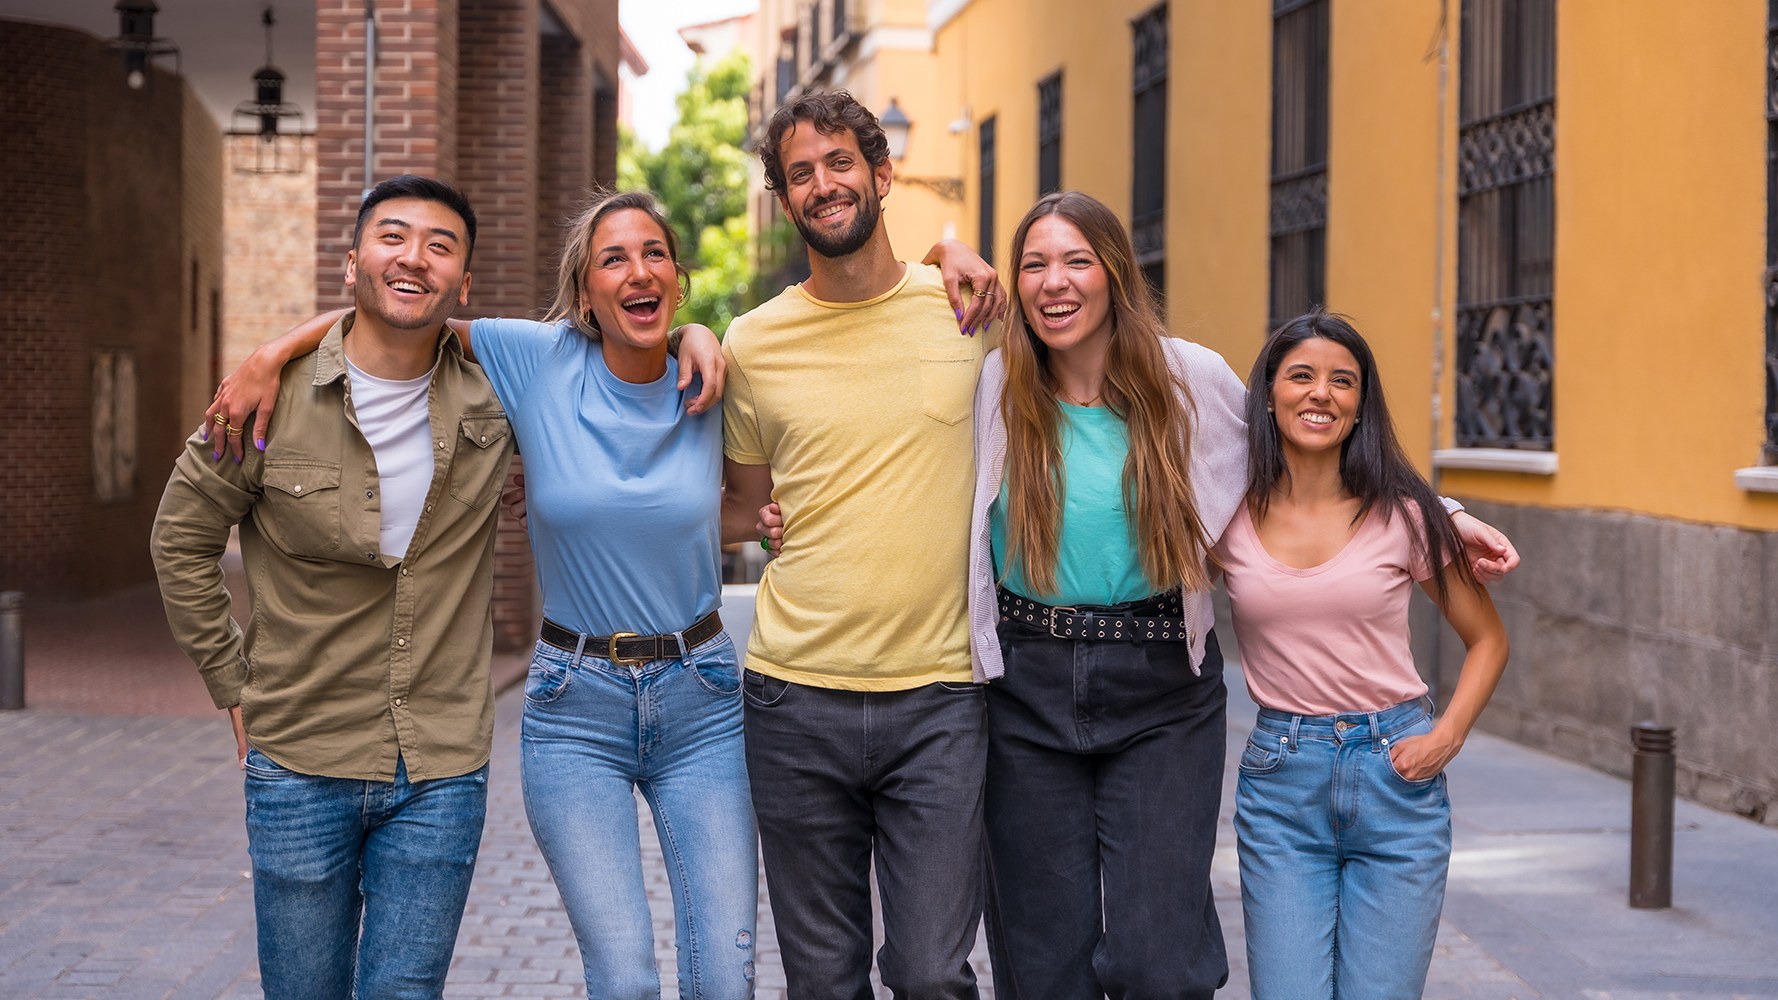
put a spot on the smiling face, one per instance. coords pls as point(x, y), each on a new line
point(410, 267)
point(1063, 288)
point(831, 191)
point(1315, 396)
point(632, 289)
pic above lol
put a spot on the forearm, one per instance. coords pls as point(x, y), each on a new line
point(1483, 665)
point(190, 534)
point(301, 338)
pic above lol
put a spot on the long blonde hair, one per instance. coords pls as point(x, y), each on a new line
point(1155, 406)
point(577, 253)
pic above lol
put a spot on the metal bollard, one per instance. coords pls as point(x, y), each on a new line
point(12, 649)
point(1651, 817)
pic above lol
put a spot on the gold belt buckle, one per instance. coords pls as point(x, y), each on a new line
point(611, 650)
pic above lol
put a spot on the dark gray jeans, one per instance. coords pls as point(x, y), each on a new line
point(1104, 768)
point(836, 774)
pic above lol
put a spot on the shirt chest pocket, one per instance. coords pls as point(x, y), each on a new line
point(947, 382)
point(300, 508)
point(479, 461)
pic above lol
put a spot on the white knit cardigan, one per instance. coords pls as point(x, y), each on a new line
point(1218, 479)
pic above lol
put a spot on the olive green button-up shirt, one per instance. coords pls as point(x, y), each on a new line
point(352, 660)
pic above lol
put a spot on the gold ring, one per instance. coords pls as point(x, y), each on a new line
point(978, 293)
point(232, 429)
point(222, 420)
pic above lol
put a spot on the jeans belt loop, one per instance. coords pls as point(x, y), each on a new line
point(1290, 741)
point(1379, 742)
point(579, 648)
point(684, 653)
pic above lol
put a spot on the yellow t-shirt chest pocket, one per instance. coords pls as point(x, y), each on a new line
point(947, 381)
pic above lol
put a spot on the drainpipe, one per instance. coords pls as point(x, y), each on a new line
point(370, 94)
point(1442, 46)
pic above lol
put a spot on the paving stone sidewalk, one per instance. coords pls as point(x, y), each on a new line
point(123, 866)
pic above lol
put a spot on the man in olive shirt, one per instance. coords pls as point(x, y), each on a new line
point(360, 693)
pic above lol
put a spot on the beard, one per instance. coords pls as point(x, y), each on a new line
point(849, 240)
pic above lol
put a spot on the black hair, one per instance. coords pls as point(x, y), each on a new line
point(829, 112)
point(425, 189)
point(1373, 465)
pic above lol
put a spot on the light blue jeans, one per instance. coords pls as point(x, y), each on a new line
point(358, 886)
point(1342, 859)
point(594, 732)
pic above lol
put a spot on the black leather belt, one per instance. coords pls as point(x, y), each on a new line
point(628, 647)
point(1111, 623)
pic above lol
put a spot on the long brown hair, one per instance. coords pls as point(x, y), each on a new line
point(577, 253)
point(1156, 409)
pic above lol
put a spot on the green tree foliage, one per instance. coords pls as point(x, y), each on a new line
point(700, 177)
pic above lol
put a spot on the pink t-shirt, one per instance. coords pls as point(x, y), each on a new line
point(1333, 638)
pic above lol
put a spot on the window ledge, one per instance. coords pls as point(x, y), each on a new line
point(1758, 479)
point(1531, 463)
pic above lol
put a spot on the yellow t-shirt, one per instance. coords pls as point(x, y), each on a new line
point(862, 410)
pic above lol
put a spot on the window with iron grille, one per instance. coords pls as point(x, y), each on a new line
point(786, 66)
point(1769, 454)
point(1298, 227)
point(1049, 134)
point(1506, 225)
point(984, 224)
point(1148, 188)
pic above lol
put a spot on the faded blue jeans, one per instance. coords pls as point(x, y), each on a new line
point(333, 854)
point(1342, 859)
point(594, 733)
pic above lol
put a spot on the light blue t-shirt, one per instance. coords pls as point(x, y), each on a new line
point(622, 486)
point(1096, 558)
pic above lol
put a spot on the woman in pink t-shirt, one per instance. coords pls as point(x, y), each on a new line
point(1343, 825)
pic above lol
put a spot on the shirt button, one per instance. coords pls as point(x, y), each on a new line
point(298, 488)
point(406, 572)
point(400, 702)
point(428, 508)
point(484, 439)
point(372, 556)
point(401, 642)
point(441, 442)
point(369, 494)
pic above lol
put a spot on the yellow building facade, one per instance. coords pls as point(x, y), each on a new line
point(1549, 218)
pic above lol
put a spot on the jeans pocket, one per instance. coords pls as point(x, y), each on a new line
point(763, 691)
point(264, 768)
point(1418, 727)
point(1261, 756)
point(960, 687)
point(547, 681)
point(716, 667)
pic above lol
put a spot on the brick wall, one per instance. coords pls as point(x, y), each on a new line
point(498, 98)
point(269, 226)
point(97, 263)
point(416, 119)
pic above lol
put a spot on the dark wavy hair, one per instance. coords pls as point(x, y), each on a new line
point(830, 112)
point(1373, 466)
point(425, 189)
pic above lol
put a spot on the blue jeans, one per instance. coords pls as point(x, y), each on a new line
point(1105, 764)
point(594, 733)
point(838, 775)
point(358, 886)
point(1342, 859)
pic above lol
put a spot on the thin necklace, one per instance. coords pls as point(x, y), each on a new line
point(1069, 397)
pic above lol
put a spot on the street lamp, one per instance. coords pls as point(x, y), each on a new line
point(896, 126)
point(136, 39)
point(267, 106)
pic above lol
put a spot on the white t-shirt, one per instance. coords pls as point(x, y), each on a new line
point(392, 416)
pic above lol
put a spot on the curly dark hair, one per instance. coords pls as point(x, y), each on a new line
point(830, 111)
